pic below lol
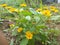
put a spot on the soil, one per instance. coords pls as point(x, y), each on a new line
point(3, 40)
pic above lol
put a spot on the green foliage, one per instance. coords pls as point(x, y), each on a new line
point(24, 41)
point(12, 42)
point(29, 20)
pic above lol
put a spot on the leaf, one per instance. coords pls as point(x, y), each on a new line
point(55, 17)
point(14, 33)
point(24, 41)
point(26, 13)
point(1, 20)
point(33, 11)
point(37, 38)
point(12, 42)
point(31, 42)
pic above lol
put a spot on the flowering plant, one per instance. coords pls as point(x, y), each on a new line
point(30, 25)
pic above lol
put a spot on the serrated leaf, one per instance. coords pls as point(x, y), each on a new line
point(24, 41)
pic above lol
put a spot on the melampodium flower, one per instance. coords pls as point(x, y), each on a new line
point(11, 25)
point(46, 13)
point(52, 7)
point(56, 11)
point(20, 29)
point(13, 10)
point(3, 5)
point(29, 35)
point(23, 5)
point(39, 10)
point(8, 7)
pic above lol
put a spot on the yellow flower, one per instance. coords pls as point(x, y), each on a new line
point(56, 10)
point(39, 10)
point(23, 5)
point(3, 5)
point(13, 10)
point(11, 25)
point(16, 10)
point(52, 7)
point(46, 13)
point(20, 29)
point(29, 35)
point(8, 7)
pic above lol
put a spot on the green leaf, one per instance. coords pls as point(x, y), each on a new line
point(24, 41)
point(55, 17)
point(33, 11)
point(12, 42)
point(26, 13)
point(37, 38)
point(14, 33)
point(31, 42)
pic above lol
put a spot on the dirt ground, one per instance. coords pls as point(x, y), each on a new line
point(3, 40)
